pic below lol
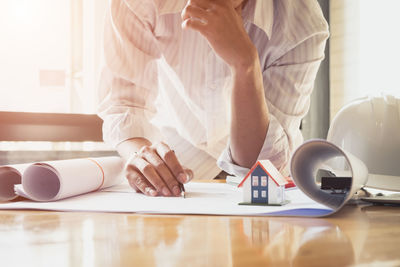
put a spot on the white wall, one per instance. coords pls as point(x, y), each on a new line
point(364, 52)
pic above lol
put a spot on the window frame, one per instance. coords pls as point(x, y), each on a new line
point(56, 127)
point(264, 181)
point(255, 180)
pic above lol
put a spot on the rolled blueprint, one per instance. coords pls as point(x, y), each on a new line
point(54, 180)
point(10, 176)
point(318, 154)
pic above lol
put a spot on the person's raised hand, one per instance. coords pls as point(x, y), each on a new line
point(156, 171)
point(220, 22)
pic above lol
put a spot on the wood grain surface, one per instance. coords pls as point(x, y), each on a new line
point(358, 235)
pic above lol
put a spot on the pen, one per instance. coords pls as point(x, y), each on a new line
point(182, 190)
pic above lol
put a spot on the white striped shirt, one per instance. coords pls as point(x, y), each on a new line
point(166, 84)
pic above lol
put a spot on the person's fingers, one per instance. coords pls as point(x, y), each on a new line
point(194, 24)
point(189, 173)
point(203, 4)
point(194, 12)
point(149, 172)
point(138, 182)
point(134, 187)
point(170, 159)
point(151, 156)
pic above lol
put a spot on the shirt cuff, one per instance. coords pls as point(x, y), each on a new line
point(275, 148)
point(226, 164)
point(134, 122)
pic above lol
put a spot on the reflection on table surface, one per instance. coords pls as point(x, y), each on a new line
point(357, 235)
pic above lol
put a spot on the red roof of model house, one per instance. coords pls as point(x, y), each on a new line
point(272, 172)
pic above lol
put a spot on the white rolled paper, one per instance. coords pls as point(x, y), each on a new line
point(314, 155)
point(9, 177)
point(54, 180)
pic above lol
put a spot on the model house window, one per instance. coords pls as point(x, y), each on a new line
point(255, 180)
point(255, 194)
point(263, 194)
point(263, 180)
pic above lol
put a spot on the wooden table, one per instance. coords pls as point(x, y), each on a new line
point(358, 235)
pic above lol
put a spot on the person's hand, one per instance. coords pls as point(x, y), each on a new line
point(155, 170)
point(220, 22)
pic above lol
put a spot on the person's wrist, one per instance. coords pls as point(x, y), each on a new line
point(128, 147)
point(246, 62)
point(138, 143)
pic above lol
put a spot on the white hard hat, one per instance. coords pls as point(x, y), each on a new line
point(369, 128)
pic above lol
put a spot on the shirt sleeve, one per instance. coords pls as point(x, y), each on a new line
point(288, 84)
point(128, 84)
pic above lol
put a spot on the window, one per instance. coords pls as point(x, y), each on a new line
point(264, 181)
point(255, 180)
point(50, 55)
point(264, 194)
point(255, 194)
point(50, 63)
point(364, 52)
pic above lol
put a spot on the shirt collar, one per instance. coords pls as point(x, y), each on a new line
point(260, 12)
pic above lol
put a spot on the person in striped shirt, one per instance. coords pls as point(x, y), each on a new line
point(192, 87)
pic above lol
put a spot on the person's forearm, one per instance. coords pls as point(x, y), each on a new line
point(249, 113)
point(220, 22)
point(128, 147)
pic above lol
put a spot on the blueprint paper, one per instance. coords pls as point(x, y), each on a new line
point(201, 198)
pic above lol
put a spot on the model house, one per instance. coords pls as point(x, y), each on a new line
point(263, 185)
